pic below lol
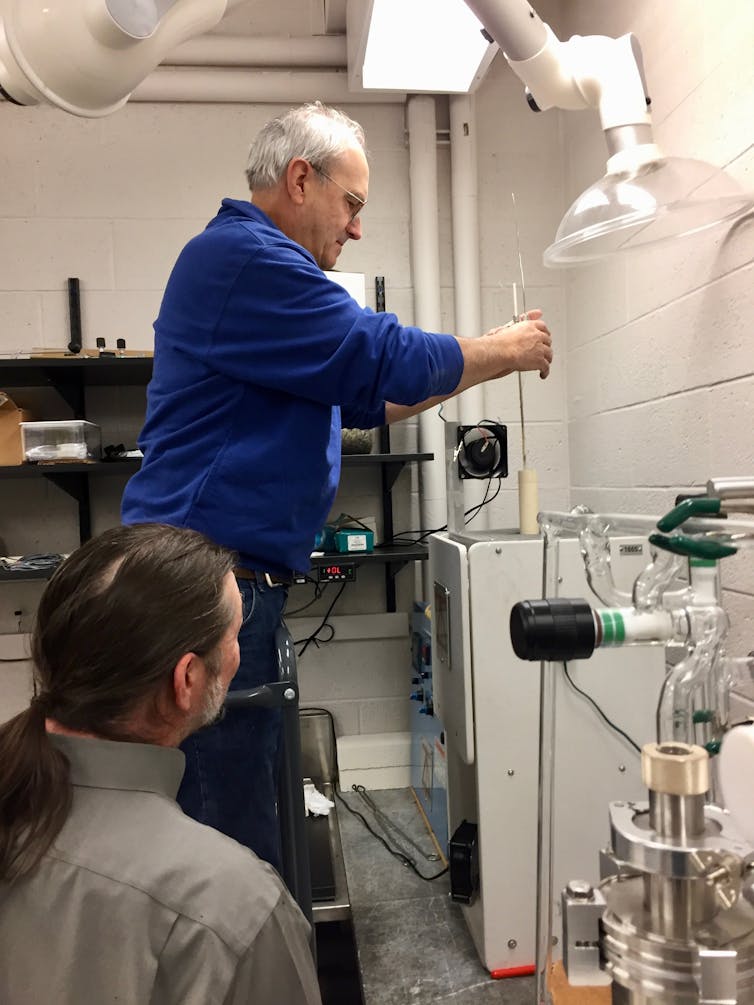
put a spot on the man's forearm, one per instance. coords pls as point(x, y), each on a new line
point(526, 345)
point(394, 413)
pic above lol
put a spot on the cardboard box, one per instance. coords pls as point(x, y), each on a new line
point(564, 993)
point(11, 447)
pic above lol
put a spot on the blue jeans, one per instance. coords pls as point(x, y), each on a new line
point(231, 774)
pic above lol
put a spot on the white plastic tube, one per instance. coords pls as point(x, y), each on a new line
point(425, 268)
point(233, 86)
point(464, 206)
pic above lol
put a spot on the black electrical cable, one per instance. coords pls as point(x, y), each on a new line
point(475, 510)
point(318, 592)
point(599, 711)
point(323, 623)
point(402, 538)
point(403, 859)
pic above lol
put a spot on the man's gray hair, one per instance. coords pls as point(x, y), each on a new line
point(313, 131)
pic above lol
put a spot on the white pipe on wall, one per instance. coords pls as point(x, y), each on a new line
point(241, 50)
point(221, 85)
point(464, 202)
point(425, 268)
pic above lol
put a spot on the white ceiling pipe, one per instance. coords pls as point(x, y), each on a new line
point(236, 86)
point(464, 207)
point(237, 50)
point(425, 269)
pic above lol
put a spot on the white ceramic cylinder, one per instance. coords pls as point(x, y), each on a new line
point(528, 501)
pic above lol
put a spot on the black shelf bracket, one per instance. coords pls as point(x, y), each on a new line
point(392, 469)
point(71, 391)
point(76, 485)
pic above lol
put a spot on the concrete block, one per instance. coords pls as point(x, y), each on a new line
point(376, 778)
point(370, 751)
point(145, 251)
point(22, 322)
point(39, 254)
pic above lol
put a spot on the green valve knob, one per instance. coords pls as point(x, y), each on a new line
point(693, 547)
point(713, 747)
point(686, 509)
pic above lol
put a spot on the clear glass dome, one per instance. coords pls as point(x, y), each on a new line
point(664, 199)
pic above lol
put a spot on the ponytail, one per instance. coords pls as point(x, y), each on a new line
point(35, 791)
point(112, 623)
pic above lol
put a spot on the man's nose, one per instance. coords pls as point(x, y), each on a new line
point(354, 229)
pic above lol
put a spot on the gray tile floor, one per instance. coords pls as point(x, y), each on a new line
point(411, 939)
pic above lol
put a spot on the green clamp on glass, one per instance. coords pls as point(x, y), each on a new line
point(700, 506)
point(693, 547)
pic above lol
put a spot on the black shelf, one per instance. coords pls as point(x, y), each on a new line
point(125, 467)
point(355, 460)
point(70, 376)
point(88, 371)
point(7, 576)
point(380, 555)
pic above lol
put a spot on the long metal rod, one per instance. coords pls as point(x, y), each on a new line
point(546, 794)
point(390, 825)
point(516, 318)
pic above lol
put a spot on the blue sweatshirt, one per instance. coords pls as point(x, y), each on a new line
point(258, 357)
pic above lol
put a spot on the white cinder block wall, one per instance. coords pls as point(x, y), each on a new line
point(660, 357)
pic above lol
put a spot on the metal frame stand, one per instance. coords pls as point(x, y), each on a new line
point(283, 694)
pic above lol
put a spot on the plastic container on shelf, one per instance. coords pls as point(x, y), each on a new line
point(62, 440)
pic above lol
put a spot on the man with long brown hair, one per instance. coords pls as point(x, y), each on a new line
point(108, 892)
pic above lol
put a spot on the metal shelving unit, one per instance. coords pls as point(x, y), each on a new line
point(71, 376)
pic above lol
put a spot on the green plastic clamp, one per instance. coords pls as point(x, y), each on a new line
point(713, 747)
point(701, 506)
point(693, 547)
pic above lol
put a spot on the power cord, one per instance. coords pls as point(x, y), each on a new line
point(402, 858)
point(318, 592)
point(403, 538)
point(305, 643)
point(476, 510)
point(599, 711)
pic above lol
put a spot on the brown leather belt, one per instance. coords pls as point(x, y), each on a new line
point(271, 578)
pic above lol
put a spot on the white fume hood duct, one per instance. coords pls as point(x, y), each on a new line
point(87, 56)
point(644, 197)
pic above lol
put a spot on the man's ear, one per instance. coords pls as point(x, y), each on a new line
point(298, 173)
point(188, 677)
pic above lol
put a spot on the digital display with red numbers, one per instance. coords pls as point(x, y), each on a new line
point(336, 573)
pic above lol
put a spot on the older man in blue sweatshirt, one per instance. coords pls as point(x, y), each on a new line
point(259, 361)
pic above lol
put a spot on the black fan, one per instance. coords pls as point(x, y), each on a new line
point(482, 451)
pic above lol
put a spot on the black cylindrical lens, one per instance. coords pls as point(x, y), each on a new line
point(558, 629)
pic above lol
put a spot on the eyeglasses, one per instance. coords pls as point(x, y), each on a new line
point(350, 196)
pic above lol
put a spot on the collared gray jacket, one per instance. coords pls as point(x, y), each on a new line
point(137, 904)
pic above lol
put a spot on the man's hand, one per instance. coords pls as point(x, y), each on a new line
point(524, 345)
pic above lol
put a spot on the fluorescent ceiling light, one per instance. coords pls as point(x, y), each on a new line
point(424, 45)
